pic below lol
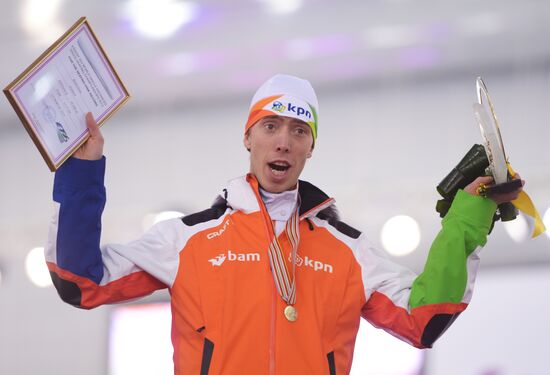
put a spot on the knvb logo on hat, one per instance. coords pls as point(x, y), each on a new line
point(291, 109)
point(278, 107)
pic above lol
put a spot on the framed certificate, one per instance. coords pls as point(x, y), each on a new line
point(51, 97)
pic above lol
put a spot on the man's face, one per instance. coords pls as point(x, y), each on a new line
point(279, 147)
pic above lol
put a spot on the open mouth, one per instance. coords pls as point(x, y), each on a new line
point(279, 167)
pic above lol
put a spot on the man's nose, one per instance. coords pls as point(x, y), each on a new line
point(283, 141)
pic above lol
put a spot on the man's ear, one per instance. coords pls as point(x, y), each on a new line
point(310, 152)
point(246, 140)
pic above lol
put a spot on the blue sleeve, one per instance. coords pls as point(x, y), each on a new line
point(80, 191)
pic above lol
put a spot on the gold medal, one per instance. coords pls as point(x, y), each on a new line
point(290, 313)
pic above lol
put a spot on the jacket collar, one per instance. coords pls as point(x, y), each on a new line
point(313, 199)
point(241, 195)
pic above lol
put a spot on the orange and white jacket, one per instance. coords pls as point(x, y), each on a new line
point(227, 316)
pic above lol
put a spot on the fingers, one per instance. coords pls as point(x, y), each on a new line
point(508, 197)
point(472, 188)
point(486, 180)
point(518, 177)
point(93, 128)
point(90, 122)
point(92, 149)
point(511, 196)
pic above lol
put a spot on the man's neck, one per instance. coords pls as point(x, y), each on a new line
point(280, 206)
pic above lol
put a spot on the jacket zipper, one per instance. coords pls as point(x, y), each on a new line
point(253, 182)
point(331, 364)
point(207, 351)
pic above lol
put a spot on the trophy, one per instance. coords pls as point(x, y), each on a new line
point(487, 159)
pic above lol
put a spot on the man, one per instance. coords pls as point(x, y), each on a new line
point(268, 280)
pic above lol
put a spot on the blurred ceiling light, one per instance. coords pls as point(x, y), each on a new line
point(152, 219)
point(39, 19)
point(36, 268)
point(400, 235)
point(392, 36)
point(517, 229)
point(283, 6)
point(161, 18)
point(546, 220)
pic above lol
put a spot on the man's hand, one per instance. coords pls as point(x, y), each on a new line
point(92, 149)
point(472, 188)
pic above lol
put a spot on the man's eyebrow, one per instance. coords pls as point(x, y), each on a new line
point(299, 122)
point(274, 117)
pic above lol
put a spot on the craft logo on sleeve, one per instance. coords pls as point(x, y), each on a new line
point(218, 232)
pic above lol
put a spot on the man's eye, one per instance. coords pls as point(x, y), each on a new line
point(269, 125)
point(301, 131)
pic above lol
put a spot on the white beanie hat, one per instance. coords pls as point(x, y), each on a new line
point(285, 95)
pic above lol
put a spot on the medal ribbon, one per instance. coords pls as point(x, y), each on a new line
point(286, 285)
point(525, 205)
point(284, 281)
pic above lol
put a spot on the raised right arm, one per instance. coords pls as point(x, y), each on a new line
point(86, 274)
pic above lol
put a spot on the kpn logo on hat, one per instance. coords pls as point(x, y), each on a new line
point(285, 95)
